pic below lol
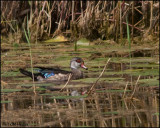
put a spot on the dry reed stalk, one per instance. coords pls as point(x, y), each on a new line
point(73, 17)
point(70, 75)
point(125, 12)
point(97, 6)
point(125, 89)
point(138, 22)
point(101, 118)
point(134, 27)
point(61, 12)
point(3, 83)
point(138, 10)
point(87, 9)
point(125, 104)
point(151, 16)
point(58, 114)
point(87, 14)
point(132, 21)
point(135, 87)
point(31, 15)
point(50, 11)
point(111, 107)
point(104, 6)
point(82, 17)
point(38, 22)
point(117, 21)
point(136, 113)
point(99, 76)
point(121, 29)
point(69, 105)
point(157, 108)
point(84, 111)
point(41, 99)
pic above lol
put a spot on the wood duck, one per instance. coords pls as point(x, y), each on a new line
point(51, 74)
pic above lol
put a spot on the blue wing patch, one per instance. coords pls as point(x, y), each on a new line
point(46, 73)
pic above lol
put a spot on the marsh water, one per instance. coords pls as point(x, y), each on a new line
point(126, 95)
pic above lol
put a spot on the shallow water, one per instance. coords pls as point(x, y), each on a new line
point(125, 96)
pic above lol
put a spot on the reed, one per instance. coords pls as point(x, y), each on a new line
point(28, 37)
point(53, 18)
point(129, 42)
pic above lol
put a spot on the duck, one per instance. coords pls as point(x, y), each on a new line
point(53, 74)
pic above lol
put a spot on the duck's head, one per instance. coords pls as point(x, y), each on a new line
point(77, 62)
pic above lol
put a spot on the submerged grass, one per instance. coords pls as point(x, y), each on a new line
point(81, 126)
point(37, 84)
point(143, 72)
point(6, 101)
point(10, 74)
point(106, 99)
point(134, 60)
point(92, 80)
point(149, 82)
point(113, 91)
point(157, 113)
point(145, 65)
point(69, 97)
point(109, 113)
point(10, 90)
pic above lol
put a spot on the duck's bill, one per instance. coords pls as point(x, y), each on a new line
point(82, 65)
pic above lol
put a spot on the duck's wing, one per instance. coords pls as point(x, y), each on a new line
point(27, 73)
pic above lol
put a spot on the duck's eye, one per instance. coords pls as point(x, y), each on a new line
point(78, 61)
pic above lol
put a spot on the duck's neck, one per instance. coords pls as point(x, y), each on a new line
point(77, 73)
point(75, 70)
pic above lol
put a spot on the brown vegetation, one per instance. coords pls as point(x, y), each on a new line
point(91, 19)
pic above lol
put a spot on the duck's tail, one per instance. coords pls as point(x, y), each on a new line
point(27, 73)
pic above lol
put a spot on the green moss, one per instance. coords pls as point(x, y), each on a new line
point(149, 82)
